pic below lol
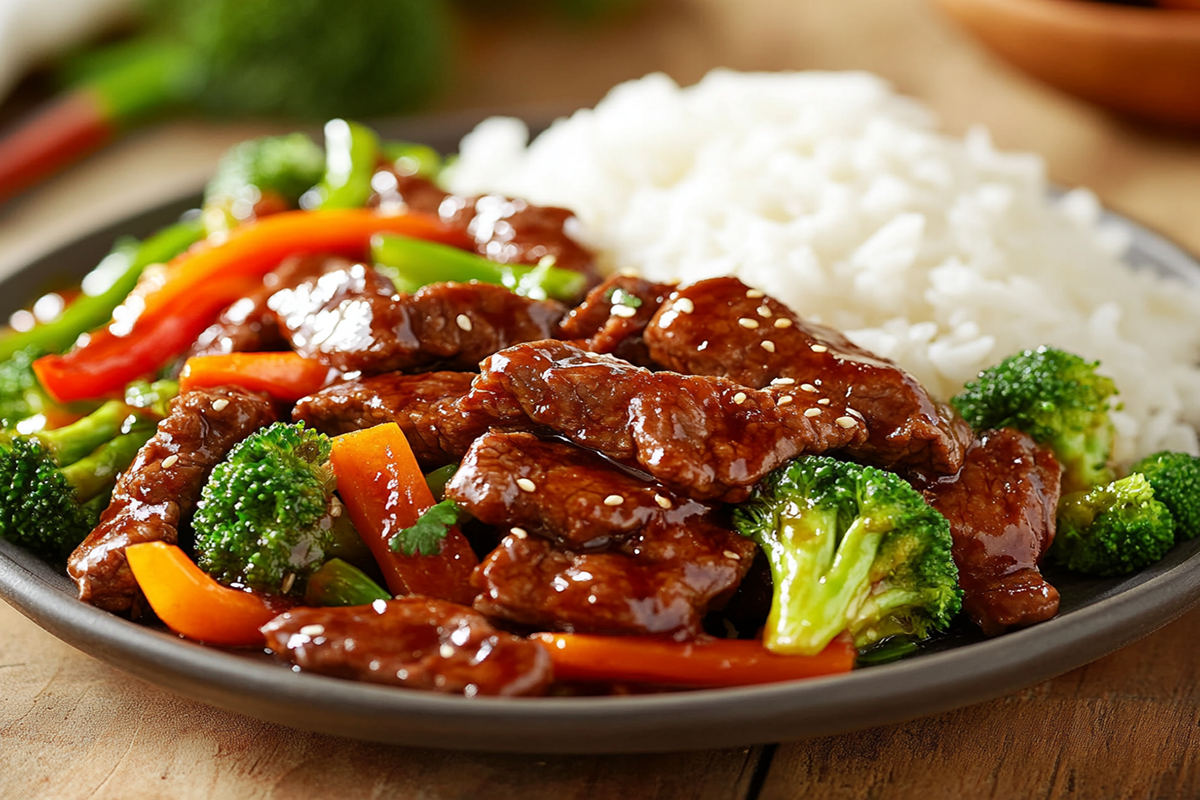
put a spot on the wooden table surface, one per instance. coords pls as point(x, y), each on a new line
point(1125, 726)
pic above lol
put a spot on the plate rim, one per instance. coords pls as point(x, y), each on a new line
point(696, 719)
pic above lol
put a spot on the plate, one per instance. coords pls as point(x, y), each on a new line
point(1097, 617)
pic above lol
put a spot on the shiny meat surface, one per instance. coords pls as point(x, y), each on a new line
point(249, 324)
point(705, 437)
point(722, 327)
point(411, 401)
point(613, 315)
point(660, 582)
point(161, 487)
point(414, 642)
point(578, 499)
point(1001, 509)
point(353, 320)
point(502, 229)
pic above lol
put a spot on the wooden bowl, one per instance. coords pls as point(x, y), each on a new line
point(1139, 61)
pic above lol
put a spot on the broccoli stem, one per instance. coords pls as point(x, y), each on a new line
point(70, 443)
point(412, 264)
point(105, 288)
point(95, 474)
point(816, 611)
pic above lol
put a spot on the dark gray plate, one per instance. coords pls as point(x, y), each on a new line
point(1098, 616)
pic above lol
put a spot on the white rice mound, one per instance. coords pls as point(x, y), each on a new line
point(840, 198)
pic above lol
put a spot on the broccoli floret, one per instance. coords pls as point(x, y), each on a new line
point(271, 169)
point(21, 396)
point(1058, 399)
point(265, 518)
point(1114, 529)
point(1175, 478)
point(54, 483)
point(851, 548)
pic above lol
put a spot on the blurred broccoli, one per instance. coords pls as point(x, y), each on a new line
point(1058, 399)
point(1175, 478)
point(1114, 529)
point(266, 516)
point(268, 172)
point(851, 548)
point(21, 396)
point(53, 484)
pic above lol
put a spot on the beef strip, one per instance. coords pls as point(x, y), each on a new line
point(722, 327)
point(411, 401)
point(609, 553)
point(353, 320)
point(574, 496)
point(502, 229)
point(1001, 508)
point(705, 437)
point(160, 489)
point(613, 315)
point(249, 325)
point(415, 642)
point(531, 581)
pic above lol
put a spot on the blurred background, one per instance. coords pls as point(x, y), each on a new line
point(200, 75)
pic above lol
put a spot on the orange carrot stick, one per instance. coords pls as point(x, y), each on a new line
point(194, 605)
point(285, 376)
point(385, 492)
point(704, 662)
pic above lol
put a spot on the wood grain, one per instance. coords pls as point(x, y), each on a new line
point(1126, 726)
point(72, 727)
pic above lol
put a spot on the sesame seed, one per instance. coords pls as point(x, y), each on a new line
point(855, 412)
point(783, 381)
point(764, 312)
point(846, 422)
point(824, 401)
point(313, 630)
point(623, 311)
point(754, 294)
point(289, 581)
point(783, 322)
point(783, 401)
point(768, 345)
point(812, 412)
point(808, 387)
point(739, 398)
point(170, 461)
point(614, 500)
point(220, 404)
point(685, 305)
point(748, 323)
point(819, 348)
point(446, 650)
point(518, 533)
point(526, 485)
point(731, 554)
point(663, 502)
point(464, 322)
point(336, 508)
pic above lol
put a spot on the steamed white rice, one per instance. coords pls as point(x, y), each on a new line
point(841, 198)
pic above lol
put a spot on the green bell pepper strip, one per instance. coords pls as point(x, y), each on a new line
point(412, 263)
point(116, 276)
point(352, 153)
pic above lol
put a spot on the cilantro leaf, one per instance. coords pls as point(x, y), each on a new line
point(426, 534)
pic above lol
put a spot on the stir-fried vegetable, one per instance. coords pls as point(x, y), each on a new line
point(285, 376)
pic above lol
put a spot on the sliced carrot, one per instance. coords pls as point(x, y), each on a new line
point(194, 605)
point(285, 376)
point(385, 492)
point(704, 662)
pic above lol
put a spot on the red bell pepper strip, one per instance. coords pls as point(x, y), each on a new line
point(205, 280)
point(384, 491)
point(284, 376)
point(194, 605)
point(704, 662)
